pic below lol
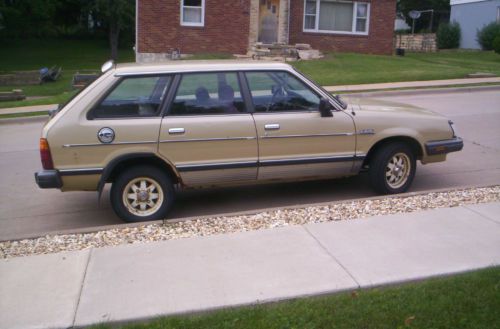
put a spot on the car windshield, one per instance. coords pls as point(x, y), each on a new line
point(337, 98)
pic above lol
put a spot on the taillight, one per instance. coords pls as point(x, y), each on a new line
point(45, 154)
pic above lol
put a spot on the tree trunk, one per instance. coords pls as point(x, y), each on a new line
point(114, 36)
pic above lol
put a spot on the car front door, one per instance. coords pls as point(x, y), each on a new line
point(207, 133)
point(295, 141)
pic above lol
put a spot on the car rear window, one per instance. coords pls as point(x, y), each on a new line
point(134, 97)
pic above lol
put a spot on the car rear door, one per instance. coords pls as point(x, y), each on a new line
point(207, 133)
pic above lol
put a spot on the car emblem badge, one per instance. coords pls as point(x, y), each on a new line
point(106, 135)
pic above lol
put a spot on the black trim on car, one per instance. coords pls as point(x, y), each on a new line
point(267, 163)
point(48, 179)
point(245, 92)
point(172, 91)
point(80, 171)
point(444, 146)
point(289, 162)
point(217, 166)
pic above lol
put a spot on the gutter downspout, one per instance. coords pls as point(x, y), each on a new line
point(136, 48)
point(288, 25)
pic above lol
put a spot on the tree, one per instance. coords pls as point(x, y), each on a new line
point(116, 15)
point(27, 18)
point(441, 12)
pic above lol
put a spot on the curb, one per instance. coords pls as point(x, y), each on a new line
point(422, 91)
point(35, 118)
point(94, 229)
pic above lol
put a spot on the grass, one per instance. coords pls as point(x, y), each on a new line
point(470, 300)
point(346, 69)
point(71, 55)
point(334, 69)
point(210, 56)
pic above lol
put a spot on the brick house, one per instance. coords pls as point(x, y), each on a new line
point(234, 26)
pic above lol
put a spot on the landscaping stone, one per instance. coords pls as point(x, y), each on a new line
point(481, 75)
point(310, 54)
point(425, 42)
point(20, 78)
point(14, 95)
point(347, 210)
point(80, 80)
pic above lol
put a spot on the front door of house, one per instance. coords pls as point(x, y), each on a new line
point(268, 21)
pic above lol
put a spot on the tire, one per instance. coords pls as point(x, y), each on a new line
point(392, 169)
point(142, 193)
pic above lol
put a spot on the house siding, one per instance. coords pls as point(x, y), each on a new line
point(378, 41)
point(226, 28)
point(472, 17)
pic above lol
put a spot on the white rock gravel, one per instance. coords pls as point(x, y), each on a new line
point(263, 220)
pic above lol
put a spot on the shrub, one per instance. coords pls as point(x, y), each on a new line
point(487, 34)
point(496, 44)
point(448, 36)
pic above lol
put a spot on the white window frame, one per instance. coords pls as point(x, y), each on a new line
point(354, 19)
point(202, 23)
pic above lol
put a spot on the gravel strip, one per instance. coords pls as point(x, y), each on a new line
point(263, 220)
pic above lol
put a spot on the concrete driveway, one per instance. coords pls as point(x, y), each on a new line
point(28, 211)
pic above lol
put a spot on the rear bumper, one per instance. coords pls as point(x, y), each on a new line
point(48, 179)
point(444, 146)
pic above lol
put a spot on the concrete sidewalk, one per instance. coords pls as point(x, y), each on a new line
point(142, 281)
point(332, 89)
point(28, 109)
point(412, 84)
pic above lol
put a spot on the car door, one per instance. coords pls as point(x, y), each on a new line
point(295, 141)
point(207, 133)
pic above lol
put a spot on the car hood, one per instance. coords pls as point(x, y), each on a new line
point(377, 105)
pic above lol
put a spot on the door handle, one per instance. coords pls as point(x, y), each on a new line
point(272, 126)
point(176, 131)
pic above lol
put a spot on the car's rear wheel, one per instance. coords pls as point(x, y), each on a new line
point(393, 168)
point(142, 193)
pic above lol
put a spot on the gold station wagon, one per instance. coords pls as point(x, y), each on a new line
point(148, 128)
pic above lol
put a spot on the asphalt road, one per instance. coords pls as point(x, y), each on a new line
point(27, 211)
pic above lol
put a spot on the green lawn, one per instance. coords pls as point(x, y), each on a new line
point(469, 301)
point(71, 55)
point(334, 69)
point(340, 69)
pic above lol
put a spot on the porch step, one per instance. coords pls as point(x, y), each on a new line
point(278, 51)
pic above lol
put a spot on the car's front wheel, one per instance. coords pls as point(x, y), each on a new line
point(392, 168)
point(142, 193)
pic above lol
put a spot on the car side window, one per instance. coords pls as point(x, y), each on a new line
point(134, 97)
point(208, 93)
point(280, 92)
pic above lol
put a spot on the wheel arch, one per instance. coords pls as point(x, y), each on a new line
point(410, 141)
point(117, 165)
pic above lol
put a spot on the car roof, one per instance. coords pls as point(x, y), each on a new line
point(197, 66)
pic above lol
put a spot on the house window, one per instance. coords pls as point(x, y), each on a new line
point(193, 12)
point(331, 16)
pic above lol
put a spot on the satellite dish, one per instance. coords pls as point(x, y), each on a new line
point(415, 14)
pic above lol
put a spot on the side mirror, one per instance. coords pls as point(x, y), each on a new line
point(325, 108)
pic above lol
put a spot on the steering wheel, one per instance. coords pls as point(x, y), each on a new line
point(278, 93)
